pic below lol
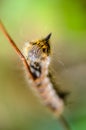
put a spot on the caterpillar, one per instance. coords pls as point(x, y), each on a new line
point(36, 59)
point(37, 54)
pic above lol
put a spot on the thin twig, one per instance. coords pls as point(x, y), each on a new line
point(3, 29)
point(64, 123)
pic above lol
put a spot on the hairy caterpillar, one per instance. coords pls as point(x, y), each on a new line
point(36, 59)
point(37, 54)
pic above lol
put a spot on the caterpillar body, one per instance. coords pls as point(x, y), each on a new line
point(37, 54)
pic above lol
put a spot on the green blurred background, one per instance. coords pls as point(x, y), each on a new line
point(20, 108)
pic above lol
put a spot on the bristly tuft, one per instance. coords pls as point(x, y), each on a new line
point(47, 37)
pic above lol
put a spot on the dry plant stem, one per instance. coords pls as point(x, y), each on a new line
point(16, 49)
point(64, 123)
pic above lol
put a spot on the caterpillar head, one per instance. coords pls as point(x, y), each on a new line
point(38, 50)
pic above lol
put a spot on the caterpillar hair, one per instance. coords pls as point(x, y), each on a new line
point(36, 59)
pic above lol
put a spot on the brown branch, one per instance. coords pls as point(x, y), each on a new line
point(3, 29)
point(64, 123)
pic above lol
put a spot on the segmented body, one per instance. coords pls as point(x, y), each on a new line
point(38, 57)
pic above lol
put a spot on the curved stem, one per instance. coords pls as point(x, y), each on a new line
point(3, 29)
